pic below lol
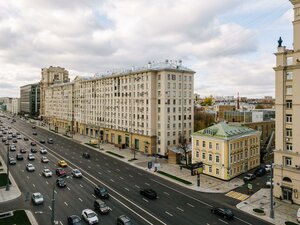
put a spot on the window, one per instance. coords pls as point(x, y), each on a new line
point(289, 61)
point(210, 145)
point(289, 75)
point(289, 90)
point(289, 147)
point(217, 171)
point(203, 155)
point(197, 154)
point(203, 144)
point(287, 161)
point(289, 104)
point(217, 146)
point(289, 118)
point(289, 132)
point(210, 169)
point(217, 159)
point(197, 142)
point(210, 157)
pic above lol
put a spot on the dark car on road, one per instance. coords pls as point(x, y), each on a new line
point(223, 212)
point(33, 143)
point(33, 150)
point(260, 171)
point(60, 182)
point(34, 133)
point(101, 192)
point(42, 141)
point(101, 207)
point(74, 220)
point(124, 220)
point(20, 157)
point(26, 139)
point(149, 193)
point(60, 172)
point(50, 141)
point(86, 155)
point(249, 177)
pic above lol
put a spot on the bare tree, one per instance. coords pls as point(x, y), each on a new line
point(183, 144)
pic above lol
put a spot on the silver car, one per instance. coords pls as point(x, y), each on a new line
point(37, 198)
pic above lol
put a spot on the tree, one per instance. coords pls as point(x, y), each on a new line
point(259, 106)
point(202, 119)
point(207, 101)
point(183, 144)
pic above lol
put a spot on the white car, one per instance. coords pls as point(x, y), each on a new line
point(89, 216)
point(268, 167)
point(19, 136)
point(37, 198)
point(298, 215)
point(47, 173)
point(44, 159)
point(76, 173)
point(30, 167)
point(30, 156)
point(43, 151)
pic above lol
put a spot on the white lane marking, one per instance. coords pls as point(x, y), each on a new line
point(137, 186)
point(112, 180)
point(145, 200)
point(108, 171)
point(50, 207)
point(80, 199)
point(81, 185)
point(33, 185)
point(40, 174)
point(98, 165)
point(61, 223)
point(166, 193)
point(94, 196)
point(140, 174)
point(168, 213)
point(89, 167)
point(68, 188)
point(66, 203)
point(223, 221)
point(130, 175)
point(147, 184)
point(118, 170)
point(27, 177)
point(100, 173)
point(47, 182)
point(242, 220)
point(180, 209)
point(121, 178)
point(189, 204)
point(55, 191)
point(126, 189)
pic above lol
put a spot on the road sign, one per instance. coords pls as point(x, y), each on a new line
point(249, 186)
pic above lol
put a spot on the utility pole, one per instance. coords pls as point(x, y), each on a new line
point(53, 205)
point(7, 181)
point(271, 195)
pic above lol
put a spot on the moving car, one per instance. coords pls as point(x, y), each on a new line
point(13, 148)
point(47, 173)
point(34, 133)
point(26, 139)
point(30, 156)
point(43, 151)
point(33, 127)
point(60, 182)
point(23, 150)
point(62, 163)
point(30, 167)
point(37, 198)
point(86, 155)
point(33, 150)
point(223, 212)
point(19, 157)
point(50, 141)
point(74, 220)
point(33, 143)
point(124, 220)
point(101, 192)
point(12, 161)
point(101, 207)
point(76, 173)
point(42, 141)
point(260, 171)
point(44, 159)
point(268, 167)
point(89, 216)
point(60, 172)
point(249, 177)
point(149, 193)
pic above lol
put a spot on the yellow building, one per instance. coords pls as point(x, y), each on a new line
point(226, 150)
point(287, 106)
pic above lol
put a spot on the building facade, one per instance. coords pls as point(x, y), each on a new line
point(15, 106)
point(30, 99)
point(148, 109)
point(226, 151)
point(287, 105)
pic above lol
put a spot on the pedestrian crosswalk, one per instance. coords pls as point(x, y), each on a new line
point(237, 195)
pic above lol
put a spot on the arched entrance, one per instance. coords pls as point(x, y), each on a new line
point(287, 192)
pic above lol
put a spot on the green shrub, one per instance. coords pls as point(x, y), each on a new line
point(259, 211)
point(115, 154)
point(290, 223)
point(174, 177)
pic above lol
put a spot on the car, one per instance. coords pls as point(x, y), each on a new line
point(7, 142)
point(260, 171)
point(101, 192)
point(86, 155)
point(298, 215)
point(37, 198)
point(14, 135)
point(249, 177)
point(30, 167)
point(268, 167)
point(12, 148)
point(223, 212)
point(14, 140)
point(12, 161)
point(124, 220)
point(19, 157)
point(149, 193)
point(4, 139)
point(30, 156)
point(89, 216)
point(62, 163)
point(76, 173)
point(268, 183)
point(43, 151)
point(34, 133)
point(50, 141)
point(23, 150)
point(74, 220)
point(25, 139)
point(101, 207)
point(60, 182)
point(47, 173)
point(33, 127)
point(33, 150)
point(19, 136)
point(33, 143)
point(44, 159)
point(60, 172)
point(42, 141)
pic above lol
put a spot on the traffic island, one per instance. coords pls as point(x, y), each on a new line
point(3, 180)
point(115, 154)
point(14, 217)
point(259, 212)
point(174, 177)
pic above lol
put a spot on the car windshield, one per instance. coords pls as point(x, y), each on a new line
point(76, 220)
point(103, 190)
point(38, 195)
point(91, 215)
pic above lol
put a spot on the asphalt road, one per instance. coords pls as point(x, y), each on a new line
point(175, 204)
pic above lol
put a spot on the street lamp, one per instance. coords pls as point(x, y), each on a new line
point(7, 181)
point(53, 205)
point(271, 195)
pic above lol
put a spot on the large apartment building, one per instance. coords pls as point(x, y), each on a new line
point(147, 108)
point(287, 141)
point(30, 99)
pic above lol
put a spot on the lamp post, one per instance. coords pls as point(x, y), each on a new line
point(53, 205)
point(7, 181)
point(271, 195)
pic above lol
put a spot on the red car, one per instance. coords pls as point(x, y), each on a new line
point(60, 172)
point(33, 143)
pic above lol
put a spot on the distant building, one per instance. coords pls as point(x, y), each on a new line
point(15, 106)
point(30, 99)
point(226, 150)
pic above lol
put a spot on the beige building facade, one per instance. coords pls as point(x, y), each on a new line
point(145, 108)
point(287, 105)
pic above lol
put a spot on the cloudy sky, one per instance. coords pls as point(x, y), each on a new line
point(229, 43)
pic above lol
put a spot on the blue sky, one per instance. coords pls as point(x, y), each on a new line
point(230, 44)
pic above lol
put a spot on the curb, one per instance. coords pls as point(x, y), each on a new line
point(31, 217)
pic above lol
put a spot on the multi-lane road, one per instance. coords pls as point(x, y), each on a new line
point(175, 204)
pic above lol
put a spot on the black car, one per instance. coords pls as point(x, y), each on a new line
point(260, 171)
point(50, 141)
point(34, 133)
point(42, 141)
point(33, 127)
point(149, 193)
point(33, 150)
point(15, 140)
point(223, 212)
point(86, 155)
point(101, 192)
point(60, 182)
point(74, 220)
point(20, 157)
point(26, 139)
point(33, 143)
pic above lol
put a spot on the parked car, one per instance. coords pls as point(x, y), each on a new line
point(60, 182)
point(149, 193)
point(268, 167)
point(33, 150)
point(62, 163)
point(47, 173)
point(89, 216)
point(23, 150)
point(101, 192)
point(30, 167)
point(60, 172)
point(37, 198)
point(44, 159)
point(33, 127)
point(13, 148)
point(223, 212)
point(33, 143)
point(101, 207)
point(76, 173)
point(124, 220)
point(74, 220)
point(50, 141)
point(260, 171)
point(249, 177)
point(26, 139)
point(42, 141)
point(298, 215)
point(34, 133)
point(19, 157)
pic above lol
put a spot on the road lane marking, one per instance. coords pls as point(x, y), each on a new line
point(130, 175)
point(126, 189)
point(180, 209)
point(61, 223)
point(89, 167)
point(242, 220)
point(27, 177)
point(33, 185)
point(80, 199)
point(223, 221)
point(66, 203)
point(112, 180)
point(81, 185)
point(166, 193)
point(108, 171)
point(145, 200)
point(68, 188)
point(100, 173)
point(94, 196)
point(147, 184)
point(121, 178)
point(47, 182)
point(98, 165)
point(55, 191)
point(189, 204)
point(50, 207)
point(137, 186)
point(168, 213)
